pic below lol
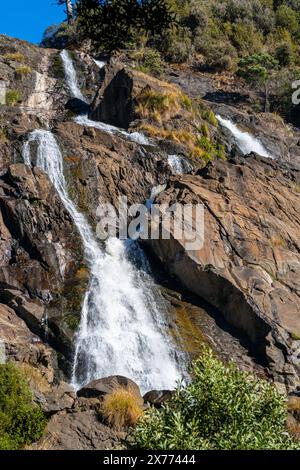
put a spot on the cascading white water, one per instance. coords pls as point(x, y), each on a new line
point(71, 76)
point(83, 120)
point(100, 63)
point(178, 164)
point(137, 137)
point(123, 326)
point(245, 141)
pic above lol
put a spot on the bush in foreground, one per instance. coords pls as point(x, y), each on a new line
point(21, 422)
point(222, 408)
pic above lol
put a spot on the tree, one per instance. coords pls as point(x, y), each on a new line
point(69, 9)
point(112, 24)
point(221, 408)
point(257, 70)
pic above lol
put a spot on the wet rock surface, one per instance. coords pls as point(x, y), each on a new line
point(248, 270)
point(245, 269)
point(40, 253)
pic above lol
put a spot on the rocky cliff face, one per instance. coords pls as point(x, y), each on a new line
point(248, 267)
point(40, 255)
point(247, 271)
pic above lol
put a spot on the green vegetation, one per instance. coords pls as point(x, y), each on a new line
point(13, 97)
point(257, 68)
point(57, 67)
point(148, 61)
point(3, 136)
point(222, 408)
point(113, 24)
point(258, 39)
point(21, 422)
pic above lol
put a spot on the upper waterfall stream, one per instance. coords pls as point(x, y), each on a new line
point(245, 141)
point(83, 120)
point(123, 328)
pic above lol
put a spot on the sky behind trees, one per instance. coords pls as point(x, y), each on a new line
point(28, 19)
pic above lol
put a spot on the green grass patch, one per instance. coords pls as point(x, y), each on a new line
point(13, 97)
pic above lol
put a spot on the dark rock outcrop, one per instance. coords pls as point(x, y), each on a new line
point(113, 102)
point(158, 397)
point(248, 267)
point(40, 254)
point(105, 167)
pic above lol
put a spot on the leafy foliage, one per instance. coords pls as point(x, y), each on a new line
point(21, 422)
point(257, 68)
point(222, 408)
point(112, 24)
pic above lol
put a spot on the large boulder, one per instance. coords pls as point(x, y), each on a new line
point(249, 265)
point(113, 103)
point(158, 397)
point(77, 430)
point(101, 387)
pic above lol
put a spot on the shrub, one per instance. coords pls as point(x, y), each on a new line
point(219, 56)
point(150, 61)
point(286, 18)
point(121, 408)
point(21, 422)
point(14, 56)
point(222, 408)
point(257, 68)
point(284, 54)
point(13, 97)
point(176, 45)
point(22, 71)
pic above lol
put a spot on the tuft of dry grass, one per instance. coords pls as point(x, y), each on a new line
point(15, 56)
point(34, 377)
point(163, 105)
point(23, 70)
point(155, 82)
point(121, 408)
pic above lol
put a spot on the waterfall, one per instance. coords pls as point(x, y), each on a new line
point(83, 120)
point(71, 76)
point(179, 165)
point(137, 137)
point(100, 63)
point(123, 328)
point(245, 141)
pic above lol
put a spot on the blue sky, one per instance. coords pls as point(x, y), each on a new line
point(27, 19)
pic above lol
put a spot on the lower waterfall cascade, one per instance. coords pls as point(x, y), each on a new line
point(123, 325)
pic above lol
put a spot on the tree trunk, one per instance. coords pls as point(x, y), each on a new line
point(69, 8)
point(266, 98)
